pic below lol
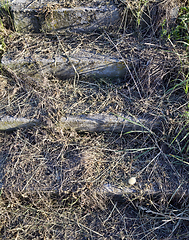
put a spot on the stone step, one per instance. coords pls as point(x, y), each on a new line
point(87, 123)
point(59, 16)
point(41, 56)
point(9, 124)
point(105, 122)
point(44, 16)
point(118, 193)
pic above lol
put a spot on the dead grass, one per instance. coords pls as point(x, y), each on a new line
point(53, 179)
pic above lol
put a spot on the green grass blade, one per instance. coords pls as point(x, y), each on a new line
point(135, 123)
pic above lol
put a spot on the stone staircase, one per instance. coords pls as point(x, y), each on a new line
point(75, 39)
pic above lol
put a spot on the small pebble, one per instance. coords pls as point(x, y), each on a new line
point(132, 180)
